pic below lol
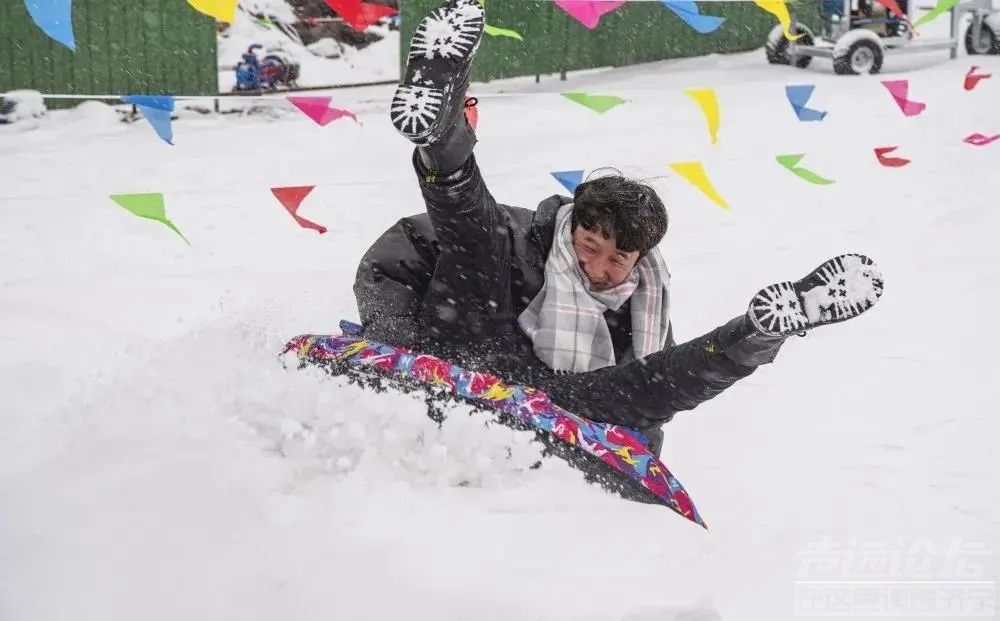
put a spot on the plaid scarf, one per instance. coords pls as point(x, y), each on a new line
point(566, 322)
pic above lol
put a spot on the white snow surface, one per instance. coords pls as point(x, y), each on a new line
point(157, 462)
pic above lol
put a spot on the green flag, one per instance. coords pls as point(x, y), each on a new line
point(597, 103)
point(502, 32)
point(942, 7)
point(148, 206)
point(790, 162)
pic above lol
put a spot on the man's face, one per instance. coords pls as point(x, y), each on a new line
point(600, 259)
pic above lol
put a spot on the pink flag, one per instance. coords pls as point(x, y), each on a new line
point(980, 140)
point(319, 110)
point(589, 12)
point(900, 89)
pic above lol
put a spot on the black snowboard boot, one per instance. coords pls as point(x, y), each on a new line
point(429, 105)
point(839, 289)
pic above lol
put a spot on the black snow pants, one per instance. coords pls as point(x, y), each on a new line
point(468, 315)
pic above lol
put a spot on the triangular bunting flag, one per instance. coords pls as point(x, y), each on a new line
point(597, 103)
point(709, 104)
point(54, 18)
point(779, 9)
point(569, 178)
point(319, 110)
point(291, 197)
point(694, 172)
point(791, 162)
point(149, 206)
point(589, 12)
point(980, 140)
point(893, 8)
point(494, 31)
point(900, 91)
point(690, 14)
point(889, 161)
point(221, 10)
point(942, 7)
point(156, 109)
point(798, 95)
point(360, 15)
point(972, 78)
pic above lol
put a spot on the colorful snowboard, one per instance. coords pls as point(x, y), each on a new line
point(613, 455)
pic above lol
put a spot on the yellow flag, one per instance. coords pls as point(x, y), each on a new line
point(695, 174)
point(221, 10)
point(779, 9)
point(709, 106)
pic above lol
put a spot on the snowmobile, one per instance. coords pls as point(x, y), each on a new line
point(276, 69)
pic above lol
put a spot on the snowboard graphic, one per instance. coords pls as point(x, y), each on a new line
point(616, 457)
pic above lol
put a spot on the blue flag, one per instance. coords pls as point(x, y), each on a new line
point(689, 13)
point(798, 96)
point(156, 109)
point(54, 18)
point(569, 178)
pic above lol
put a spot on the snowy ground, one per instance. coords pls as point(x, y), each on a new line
point(157, 462)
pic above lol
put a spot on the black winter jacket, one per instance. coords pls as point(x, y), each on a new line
point(393, 278)
point(419, 286)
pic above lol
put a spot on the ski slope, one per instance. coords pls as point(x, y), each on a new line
point(157, 462)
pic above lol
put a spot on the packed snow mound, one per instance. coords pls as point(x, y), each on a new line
point(21, 105)
point(323, 424)
point(95, 114)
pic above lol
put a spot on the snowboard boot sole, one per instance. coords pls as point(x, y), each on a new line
point(431, 96)
point(838, 290)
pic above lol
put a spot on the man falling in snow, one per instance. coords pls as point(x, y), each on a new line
point(573, 297)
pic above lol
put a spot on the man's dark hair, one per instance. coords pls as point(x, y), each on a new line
point(629, 210)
